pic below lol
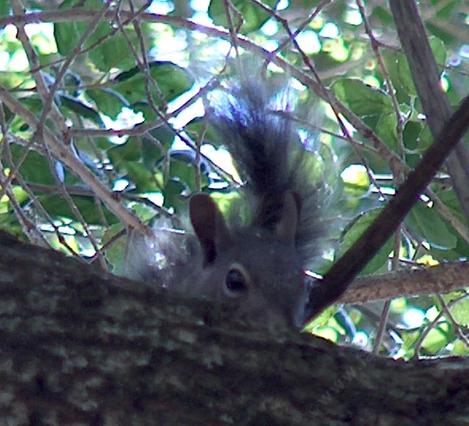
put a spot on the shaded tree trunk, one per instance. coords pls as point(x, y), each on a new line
point(82, 347)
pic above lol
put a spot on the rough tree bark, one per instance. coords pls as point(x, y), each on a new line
point(83, 347)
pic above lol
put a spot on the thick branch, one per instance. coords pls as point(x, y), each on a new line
point(443, 278)
point(84, 347)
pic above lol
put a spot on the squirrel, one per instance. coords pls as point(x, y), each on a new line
point(260, 263)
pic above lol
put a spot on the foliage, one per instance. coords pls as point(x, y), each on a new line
point(136, 121)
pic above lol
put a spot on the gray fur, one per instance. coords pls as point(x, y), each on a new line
point(254, 124)
point(264, 258)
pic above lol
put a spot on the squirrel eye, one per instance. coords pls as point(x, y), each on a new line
point(235, 282)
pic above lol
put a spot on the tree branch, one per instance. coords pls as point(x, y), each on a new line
point(436, 279)
point(84, 347)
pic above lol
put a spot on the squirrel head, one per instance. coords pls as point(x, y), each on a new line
point(256, 268)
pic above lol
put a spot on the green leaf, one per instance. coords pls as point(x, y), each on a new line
point(436, 339)
point(356, 231)
point(386, 130)
point(81, 109)
point(67, 34)
point(108, 101)
point(56, 206)
point(131, 150)
point(327, 332)
point(109, 49)
point(321, 320)
point(253, 16)
point(411, 134)
point(383, 14)
point(35, 168)
point(147, 111)
point(172, 195)
point(199, 125)
point(447, 9)
point(154, 149)
point(460, 348)
point(440, 31)
point(426, 222)
point(32, 103)
point(356, 181)
point(9, 223)
point(363, 100)
point(409, 338)
point(164, 135)
point(184, 171)
point(416, 139)
point(439, 50)
point(141, 177)
point(460, 310)
point(5, 8)
point(115, 252)
point(172, 81)
point(401, 78)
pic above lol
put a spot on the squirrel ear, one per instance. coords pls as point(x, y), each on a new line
point(209, 225)
point(288, 223)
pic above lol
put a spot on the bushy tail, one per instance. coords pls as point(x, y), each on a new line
point(254, 122)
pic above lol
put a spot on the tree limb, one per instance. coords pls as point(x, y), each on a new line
point(84, 347)
point(436, 279)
